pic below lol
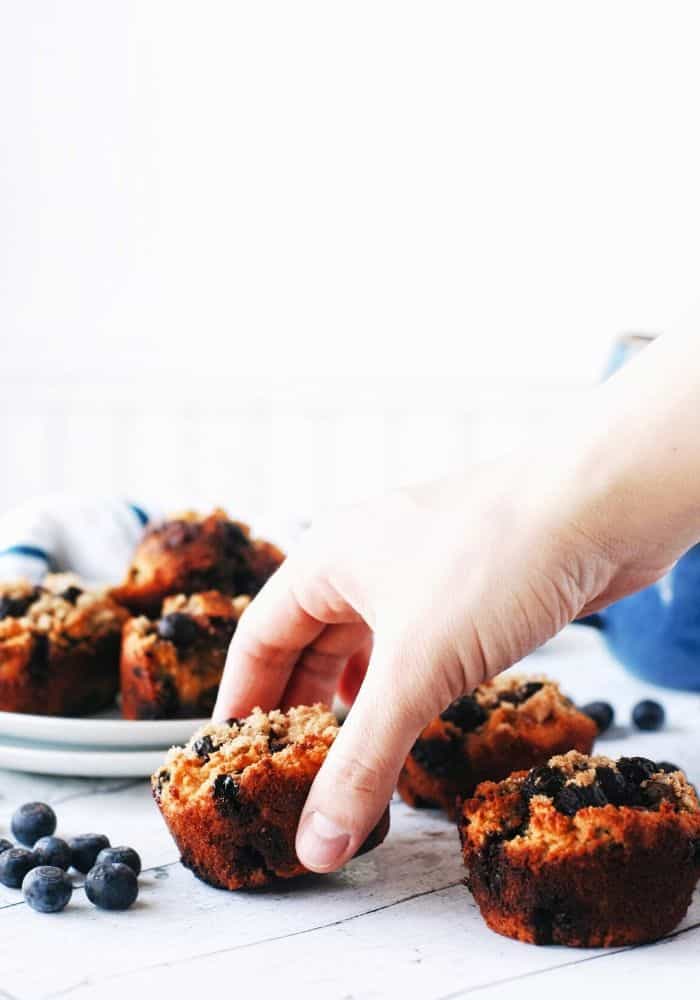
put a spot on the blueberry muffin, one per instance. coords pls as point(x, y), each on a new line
point(583, 851)
point(171, 667)
point(233, 796)
point(509, 723)
point(59, 647)
point(190, 554)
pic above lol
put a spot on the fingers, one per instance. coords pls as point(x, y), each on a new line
point(355, 783)
point(354, 673)
point(271, 636)
point(317, 671)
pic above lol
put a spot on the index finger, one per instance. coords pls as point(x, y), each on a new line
point(271, 635)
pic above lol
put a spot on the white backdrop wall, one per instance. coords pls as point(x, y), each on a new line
point(261, 446)
point(242, 243)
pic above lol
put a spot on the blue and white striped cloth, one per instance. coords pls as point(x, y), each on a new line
point(91, 536)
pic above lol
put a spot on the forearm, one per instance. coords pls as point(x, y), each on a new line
point(641, 459)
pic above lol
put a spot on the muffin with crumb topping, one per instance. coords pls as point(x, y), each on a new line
point(171, 667)
point(190, 554)
point(59, 647)
point(233, 796)
point(507, 724)
point(583, 851)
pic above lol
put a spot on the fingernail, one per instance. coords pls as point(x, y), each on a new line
point(322, 843)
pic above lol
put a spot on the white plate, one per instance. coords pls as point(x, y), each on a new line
point(48, 759)
point(106, 731)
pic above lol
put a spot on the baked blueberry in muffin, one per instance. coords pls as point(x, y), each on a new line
point(59, 647)
point(191, 554)
point(583, 851)
point(509, 723)
point(233, 796)
point(171, 667)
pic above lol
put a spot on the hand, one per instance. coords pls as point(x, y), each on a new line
point(454, 582)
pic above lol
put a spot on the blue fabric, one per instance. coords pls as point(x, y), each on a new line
point(32, 551)
point(140, 513)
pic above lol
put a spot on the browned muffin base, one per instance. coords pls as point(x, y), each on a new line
point(41, 677)
point(586, 902)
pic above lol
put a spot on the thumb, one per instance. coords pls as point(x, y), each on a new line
point(352, 789)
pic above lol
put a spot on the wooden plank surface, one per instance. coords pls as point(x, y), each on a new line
point(397, 922)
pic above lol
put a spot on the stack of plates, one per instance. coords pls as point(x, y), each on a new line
point(101, 746)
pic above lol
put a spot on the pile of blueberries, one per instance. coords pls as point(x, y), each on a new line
point(40, 867)
point(646, 715)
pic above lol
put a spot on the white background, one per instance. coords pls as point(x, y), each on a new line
point(288, 254)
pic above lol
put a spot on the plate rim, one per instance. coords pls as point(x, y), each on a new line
point(93, 732)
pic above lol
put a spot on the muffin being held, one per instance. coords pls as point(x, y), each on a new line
point(233, 796)
point(191, 554)
point(507, 724)
point(59, 647)
point(583, 851)
point(171, 668)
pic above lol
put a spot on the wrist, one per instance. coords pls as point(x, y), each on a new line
point(638, 471)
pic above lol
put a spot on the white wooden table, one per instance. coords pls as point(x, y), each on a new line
point(398, 922)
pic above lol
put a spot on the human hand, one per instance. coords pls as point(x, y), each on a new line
point(453, 582)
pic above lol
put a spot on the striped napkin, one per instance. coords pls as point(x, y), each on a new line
point(91, 536)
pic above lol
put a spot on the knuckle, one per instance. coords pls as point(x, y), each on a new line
point(357, 777)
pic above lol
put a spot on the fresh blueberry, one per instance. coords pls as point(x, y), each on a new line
point(111, 886)
point(204, 746)
point(16, 607)
point(226, 793)
point(568, 800)
point(438, 757)
point(15, 862)
point(616, 787)
point(32, 821)
point(84, 850)
point(71, 594)
point(648, 715)
point(47, 889)
point(178, 628)
point(54, 852)
point(654, 792)
point(571, 798)
point(543, 780)
point(5, 845)
point(601, 712)
point(635, 770)
point(234, 539)
point(466, 713)
point(518, 695)
point(663, 765)
point(120, 855)
point(6, 607)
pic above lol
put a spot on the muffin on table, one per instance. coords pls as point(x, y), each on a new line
point(583, 851)
point(171, 667)
point(189, 554)
point(233, 796)
point(507, 724)
point(59, 647)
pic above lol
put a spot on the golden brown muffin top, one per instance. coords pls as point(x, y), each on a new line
point(209, 607)
point(62, 608)
point(575, 801)
point(532, 698)
point(231, 747)
point(211, 603)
